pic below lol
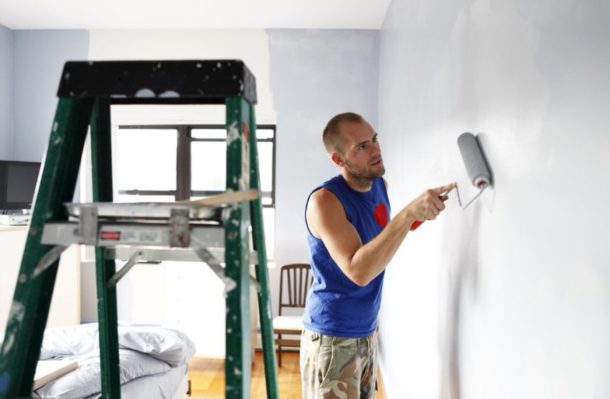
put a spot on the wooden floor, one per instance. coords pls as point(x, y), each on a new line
point(207, 378)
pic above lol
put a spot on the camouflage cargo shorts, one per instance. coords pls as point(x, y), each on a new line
point(337, 367)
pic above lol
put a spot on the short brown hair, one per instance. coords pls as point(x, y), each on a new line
point(330, 137)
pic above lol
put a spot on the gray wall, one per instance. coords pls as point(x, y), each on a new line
point(6, 92)
point(315, 74)
point(509, 298)
point(39, 56)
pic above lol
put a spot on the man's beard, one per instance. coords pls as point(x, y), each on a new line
point(364, 174)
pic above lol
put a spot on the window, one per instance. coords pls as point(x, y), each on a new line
point(179, 162)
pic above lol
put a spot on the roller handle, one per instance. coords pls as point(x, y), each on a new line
point(417, 223)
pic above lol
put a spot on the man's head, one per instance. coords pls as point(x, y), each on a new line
point(352, 144)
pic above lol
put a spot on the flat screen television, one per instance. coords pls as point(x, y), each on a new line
point(17, 184)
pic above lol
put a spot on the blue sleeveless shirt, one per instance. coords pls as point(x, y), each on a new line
point(335, 304)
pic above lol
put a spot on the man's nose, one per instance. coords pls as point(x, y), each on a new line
point(375, 149)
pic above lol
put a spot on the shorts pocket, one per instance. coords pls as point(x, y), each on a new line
point(325, 359)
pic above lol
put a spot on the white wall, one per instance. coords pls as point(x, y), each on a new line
point(6, 92)
point(39, 56)
point(64, 310)
point(509, 298)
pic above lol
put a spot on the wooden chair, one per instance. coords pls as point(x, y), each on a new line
point(295, 280)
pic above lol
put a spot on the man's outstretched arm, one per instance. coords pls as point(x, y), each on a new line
point(362, 263)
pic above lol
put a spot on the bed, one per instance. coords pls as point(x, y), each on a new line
point(153, 362)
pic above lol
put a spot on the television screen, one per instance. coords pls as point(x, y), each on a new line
point(17, 184)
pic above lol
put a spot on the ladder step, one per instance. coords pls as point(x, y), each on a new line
point(135, 234)
point(202, 209)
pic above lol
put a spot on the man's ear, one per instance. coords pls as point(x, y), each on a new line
point(336, 158)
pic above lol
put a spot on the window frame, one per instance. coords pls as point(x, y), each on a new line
point(184, 139)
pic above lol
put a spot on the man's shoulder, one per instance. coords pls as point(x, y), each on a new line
point(323, 208)
point(332, 182)
point(323, 197)
point(326, 188)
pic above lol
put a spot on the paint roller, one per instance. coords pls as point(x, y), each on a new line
point(476, 166)
point(474, 159)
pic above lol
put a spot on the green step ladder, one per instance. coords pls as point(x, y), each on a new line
point(86, 92)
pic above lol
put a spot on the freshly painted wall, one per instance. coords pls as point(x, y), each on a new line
point(508, 298)
point(39, 56)
point(6, 92)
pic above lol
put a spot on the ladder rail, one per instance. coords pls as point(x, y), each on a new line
point(32, 297)
point(238, 361)
point(262, 275)
point(107, 309)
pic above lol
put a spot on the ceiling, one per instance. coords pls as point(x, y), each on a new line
point(193, 14)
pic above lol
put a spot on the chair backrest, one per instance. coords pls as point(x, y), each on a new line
point(297, 279)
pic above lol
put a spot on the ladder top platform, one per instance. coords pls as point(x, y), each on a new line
point(158, 82)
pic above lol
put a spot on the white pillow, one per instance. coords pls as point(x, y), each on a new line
point(171, 346)
point(86, 381)
point(60, 342)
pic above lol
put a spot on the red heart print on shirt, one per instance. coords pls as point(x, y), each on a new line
point(381, 215)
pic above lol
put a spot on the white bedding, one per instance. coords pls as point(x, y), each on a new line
point(169, 345)
point(85, 380)
point(154, 354)
point(163, 386)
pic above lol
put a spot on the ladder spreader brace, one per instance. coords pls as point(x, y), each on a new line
point(123, 226)
point(209, 229)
